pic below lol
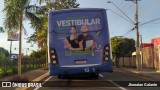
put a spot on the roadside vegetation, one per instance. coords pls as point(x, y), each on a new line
point(17, 11)
point(122, 47)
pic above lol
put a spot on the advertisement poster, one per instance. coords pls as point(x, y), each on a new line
point(13, 37)
point(78, 35)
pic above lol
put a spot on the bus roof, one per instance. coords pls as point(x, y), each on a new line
point(76, 9)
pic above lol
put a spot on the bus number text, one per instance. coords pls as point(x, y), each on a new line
point(86, 70)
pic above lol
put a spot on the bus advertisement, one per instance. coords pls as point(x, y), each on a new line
point(79, 42)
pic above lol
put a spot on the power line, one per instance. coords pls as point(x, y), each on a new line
point(119, 15)
point(128, 31)
point(149, 21)
point(121, 11)
point(156, 23)
point(141, 25)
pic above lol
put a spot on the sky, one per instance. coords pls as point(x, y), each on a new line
point(147, 11)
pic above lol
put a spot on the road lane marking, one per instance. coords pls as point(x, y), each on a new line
point(122, 88)
point(44, 82)
point(101, 75)
point(41, 77)
point(35, 80)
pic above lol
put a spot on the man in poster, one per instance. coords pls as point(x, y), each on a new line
point(88, 40)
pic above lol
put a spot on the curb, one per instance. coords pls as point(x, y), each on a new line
point(138, 73)
point(41, 77)
point(158, 71)
point(35, 80)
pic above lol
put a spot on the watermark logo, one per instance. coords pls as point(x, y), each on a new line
point(19, 84)
point(6, 84)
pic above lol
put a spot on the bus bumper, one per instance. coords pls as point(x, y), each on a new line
point(56, 70)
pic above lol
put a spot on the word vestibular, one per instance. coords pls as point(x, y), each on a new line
point(142, 84)
point(63, 23)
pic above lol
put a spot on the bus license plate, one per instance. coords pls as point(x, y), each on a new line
point(80, 62)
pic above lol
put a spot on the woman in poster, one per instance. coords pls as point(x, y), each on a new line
point(71, 42)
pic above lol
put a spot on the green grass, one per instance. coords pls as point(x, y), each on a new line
point(24, 69)
point(1, 71)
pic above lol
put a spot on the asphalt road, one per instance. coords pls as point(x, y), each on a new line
point(117, 80)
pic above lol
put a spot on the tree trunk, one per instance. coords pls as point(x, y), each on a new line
point(117, 62)
point(123, 61)
point(20, 46)
point(46, 56)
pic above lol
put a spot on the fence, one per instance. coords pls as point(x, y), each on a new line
point(127, 61)
point(157, 57)
point(148, 57)
point(9, 67)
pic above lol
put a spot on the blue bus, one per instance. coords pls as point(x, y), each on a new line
point(79, 42)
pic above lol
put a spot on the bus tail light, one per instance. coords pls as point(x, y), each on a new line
point(53, 56)
point(106, 53)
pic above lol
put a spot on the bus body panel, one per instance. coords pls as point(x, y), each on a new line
point(55, 70)
point(60, 23)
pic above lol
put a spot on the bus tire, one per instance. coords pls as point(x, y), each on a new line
point(95, 75)
point(60, 76)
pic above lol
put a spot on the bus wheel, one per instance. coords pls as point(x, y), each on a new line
point(60, 76)
point(95, 75)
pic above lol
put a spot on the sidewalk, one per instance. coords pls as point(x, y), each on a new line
point(151, 73)
point(31, 75)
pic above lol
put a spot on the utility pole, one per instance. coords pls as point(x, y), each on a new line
point(10, 50)
point(138, 62)
point(141, 52)
point(137, 40)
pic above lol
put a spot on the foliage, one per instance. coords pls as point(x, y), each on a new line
point(14, 11)
point(115, 43)
point(1, 30)
point(40, 34)
point(2, 56)
point(41, 54)
point(122, 47)
point(9, 67)
point(3, 53)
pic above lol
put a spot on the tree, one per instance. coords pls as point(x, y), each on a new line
point(1, 30)
point(15, 12)
point(38, 54)
point(121, 47)
point(40, 34)
point(3, 53)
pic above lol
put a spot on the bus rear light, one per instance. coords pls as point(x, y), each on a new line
point(106, 58)
point(54, 61)
point(107, 48)
point(53, 56)
point(52, 51)
point(106, 53)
